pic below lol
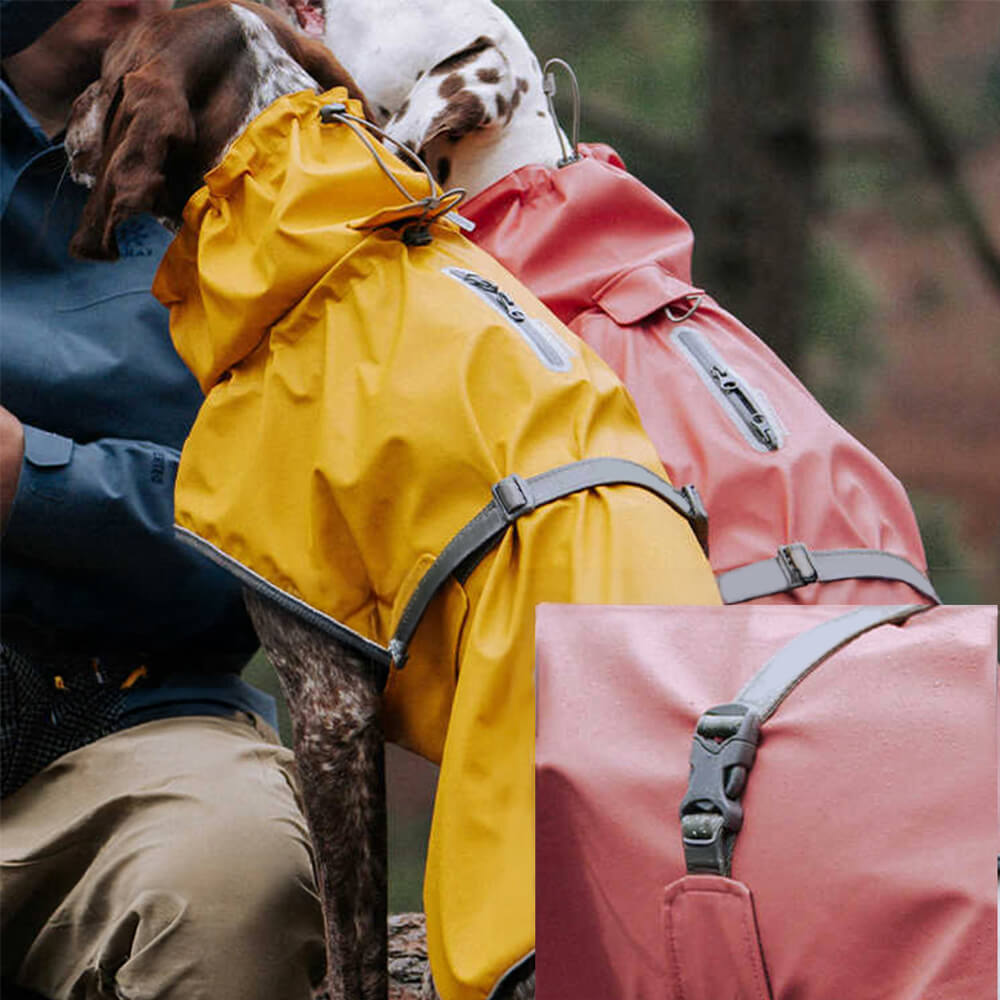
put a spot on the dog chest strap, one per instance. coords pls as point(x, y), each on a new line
point(513, 497)
point(727, 736)
point(796, 565)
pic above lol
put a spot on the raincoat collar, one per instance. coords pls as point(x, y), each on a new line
point(305, 229)
point(585, 200)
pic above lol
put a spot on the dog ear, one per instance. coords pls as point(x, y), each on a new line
point(470, 90)
point(463, 112)
point(146, 123)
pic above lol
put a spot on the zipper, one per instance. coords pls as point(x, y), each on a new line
point(727, 385)
point(551, 351)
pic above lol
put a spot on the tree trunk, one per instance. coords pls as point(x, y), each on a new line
point(759, 158)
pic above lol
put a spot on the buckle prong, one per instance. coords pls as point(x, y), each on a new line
point(797, 563)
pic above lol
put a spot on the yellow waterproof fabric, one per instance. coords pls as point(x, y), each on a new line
point(360, 404)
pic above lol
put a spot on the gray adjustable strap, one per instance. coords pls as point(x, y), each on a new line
point(725, 740)
point(769, 687)
point(514, 497)
point(796, 566)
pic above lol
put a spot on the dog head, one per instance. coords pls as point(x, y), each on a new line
point(472, 95)
point(456, 83)
point(172, 96)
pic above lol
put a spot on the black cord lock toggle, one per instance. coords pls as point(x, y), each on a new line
point(329, 112)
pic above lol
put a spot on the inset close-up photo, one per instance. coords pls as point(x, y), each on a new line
point(338, 336)
point(766, 802)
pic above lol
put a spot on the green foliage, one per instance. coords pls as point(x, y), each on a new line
point(644, 59)
point(260, 673)
point(948, 559)
point(964, 93)
point(407, 836)
point(859, 181)
point(843, 355)
point(991, 90)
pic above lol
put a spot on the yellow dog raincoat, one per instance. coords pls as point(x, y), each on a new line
point(364, 394)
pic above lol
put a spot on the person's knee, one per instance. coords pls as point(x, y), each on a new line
point(229, 910)
point(225, 890)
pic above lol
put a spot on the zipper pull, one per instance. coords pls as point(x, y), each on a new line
point(755, 418)
point(510, 307)
point(501, 298)
point(477, 281)
point(723, 379)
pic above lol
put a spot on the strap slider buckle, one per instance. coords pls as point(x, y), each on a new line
point(697, 515)
point(797, 564)
point(513, 497)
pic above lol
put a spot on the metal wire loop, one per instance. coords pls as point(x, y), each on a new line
point(680, 314)
point(549, 86)
point(439, 203)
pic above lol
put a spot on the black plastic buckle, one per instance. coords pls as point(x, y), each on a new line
point(513, 497)
point(797, 564)
point(722, 753)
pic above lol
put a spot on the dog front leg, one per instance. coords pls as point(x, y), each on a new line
point(334, 706)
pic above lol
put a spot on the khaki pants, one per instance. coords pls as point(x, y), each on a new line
point(167, 861)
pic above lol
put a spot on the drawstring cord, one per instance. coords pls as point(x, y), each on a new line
point(440, 203)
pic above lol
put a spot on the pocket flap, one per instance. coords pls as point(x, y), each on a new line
point(45, 450)
point(712, 941)
point(637, 292)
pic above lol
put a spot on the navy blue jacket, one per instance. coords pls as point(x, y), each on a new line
point(88, 367)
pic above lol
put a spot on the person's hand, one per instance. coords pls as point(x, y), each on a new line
point(11, 456)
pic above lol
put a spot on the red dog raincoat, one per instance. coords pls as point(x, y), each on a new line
point(792, 498)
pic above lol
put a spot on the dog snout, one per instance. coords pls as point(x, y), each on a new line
point(83, 136)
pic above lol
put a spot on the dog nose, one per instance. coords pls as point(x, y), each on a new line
point(77, 164)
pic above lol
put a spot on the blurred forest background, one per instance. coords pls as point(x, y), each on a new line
point(840, 165)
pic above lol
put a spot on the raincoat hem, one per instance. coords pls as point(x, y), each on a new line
point(505, 978)
point(372, 650)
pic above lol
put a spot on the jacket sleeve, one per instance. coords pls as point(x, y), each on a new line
point(87, 506)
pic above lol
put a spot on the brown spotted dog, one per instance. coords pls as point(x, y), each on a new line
point(456, 82)
point(172, 96)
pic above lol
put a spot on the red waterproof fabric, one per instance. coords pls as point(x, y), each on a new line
point(613, 261)
point(711, 940)
point(869, 837)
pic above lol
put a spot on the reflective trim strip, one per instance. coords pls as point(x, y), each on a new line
point(513, 497)
point(747, 408)
point(372, 650)
point(783, 572)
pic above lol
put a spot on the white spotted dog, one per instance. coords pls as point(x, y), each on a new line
point(457, 83)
